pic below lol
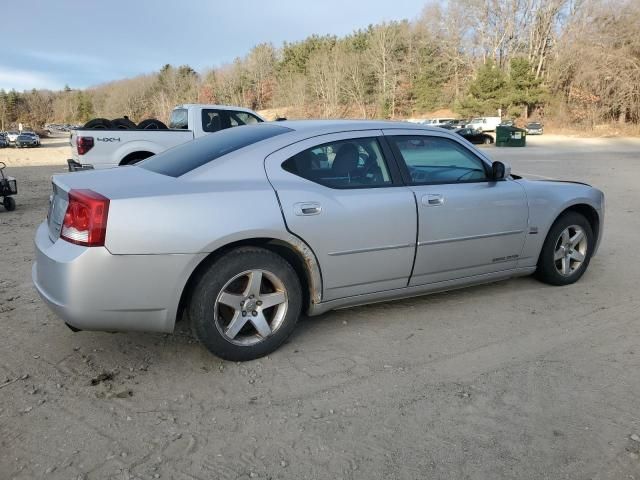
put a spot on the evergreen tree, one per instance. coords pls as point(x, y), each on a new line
point(525, 91)
point(487, 92)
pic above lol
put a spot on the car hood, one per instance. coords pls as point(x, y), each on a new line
point(561, 181)
point(561, 192)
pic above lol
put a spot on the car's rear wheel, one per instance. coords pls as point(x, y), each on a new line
point(566, 251)
point(246, 304)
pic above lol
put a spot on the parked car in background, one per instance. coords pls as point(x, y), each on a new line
point(484, 124)
point(534, 128)
point(24, 141)
point(246, 228)
point(34, 135)
point(435, 122)
point(93, 148)
point(460, 123)
point(507, 123)
point(3, 141)
point(12, 135)
point(475, 136)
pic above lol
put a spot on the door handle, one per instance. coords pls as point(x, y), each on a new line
point(307, 208)
point(432, 199)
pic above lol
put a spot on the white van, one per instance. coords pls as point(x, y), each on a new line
point(484, 124)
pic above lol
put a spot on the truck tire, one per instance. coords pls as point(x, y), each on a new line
point(151, 124)
point(123, 124)
point(98, 124)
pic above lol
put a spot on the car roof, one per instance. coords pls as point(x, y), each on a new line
point(335, 126)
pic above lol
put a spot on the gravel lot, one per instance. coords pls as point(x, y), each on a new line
point(510, 380)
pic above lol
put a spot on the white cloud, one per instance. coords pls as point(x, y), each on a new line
point(11, 78)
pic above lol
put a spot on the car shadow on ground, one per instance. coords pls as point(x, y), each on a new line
point(311, 333)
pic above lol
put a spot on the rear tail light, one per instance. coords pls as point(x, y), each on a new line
point(84, 144)
point(85, 222)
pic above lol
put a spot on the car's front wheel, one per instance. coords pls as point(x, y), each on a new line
point(246, 304)
point(566, 251)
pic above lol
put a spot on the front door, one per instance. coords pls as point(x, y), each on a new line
point(468, 224)
point(341, 195)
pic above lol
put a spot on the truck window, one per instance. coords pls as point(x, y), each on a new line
point(212, 120)
point(242, 118)
point(179, 119)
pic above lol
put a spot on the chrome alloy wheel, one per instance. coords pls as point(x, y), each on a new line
point(570, 250)
point(251, 307)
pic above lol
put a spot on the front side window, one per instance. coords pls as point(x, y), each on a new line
point(430, 160)
point(354, 163)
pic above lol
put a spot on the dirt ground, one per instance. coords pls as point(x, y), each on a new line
point(515, 380)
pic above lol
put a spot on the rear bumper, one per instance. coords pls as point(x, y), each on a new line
point(91, 289)
point(77, 166)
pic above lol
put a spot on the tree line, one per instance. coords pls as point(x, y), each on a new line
point(576, 61)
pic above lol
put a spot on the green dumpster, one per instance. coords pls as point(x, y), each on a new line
point(507, 136)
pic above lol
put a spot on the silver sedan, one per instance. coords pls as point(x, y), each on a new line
point(243, 230)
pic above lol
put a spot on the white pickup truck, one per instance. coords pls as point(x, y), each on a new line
point(96, 149)
point(484, 124)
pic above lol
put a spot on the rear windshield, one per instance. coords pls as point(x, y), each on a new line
point(179, 119)
point(187, 157)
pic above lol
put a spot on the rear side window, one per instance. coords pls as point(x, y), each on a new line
point(187, 157)
point(241, 118)
point(353, 163)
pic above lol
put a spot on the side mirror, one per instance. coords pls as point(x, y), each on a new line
point(500, 171)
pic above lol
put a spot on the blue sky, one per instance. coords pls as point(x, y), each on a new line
point(84, 43)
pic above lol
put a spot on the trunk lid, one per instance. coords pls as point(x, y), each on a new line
point(115, 183)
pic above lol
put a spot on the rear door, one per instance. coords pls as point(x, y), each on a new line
point(468, 224)
point(342, 194)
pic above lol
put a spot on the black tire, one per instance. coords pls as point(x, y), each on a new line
point(9, 203)
point(488, 140)
point(98, 124)
point(152, 124)
point(123, 124)
point(546, 270)
point(210, 285)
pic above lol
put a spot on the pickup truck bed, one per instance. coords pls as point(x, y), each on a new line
point(93, 148)
point(112, 148)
